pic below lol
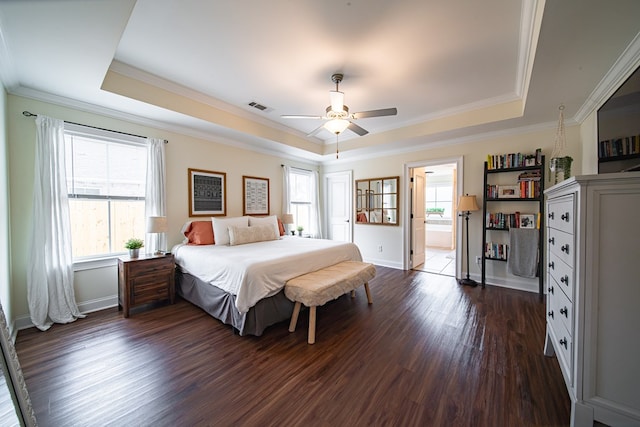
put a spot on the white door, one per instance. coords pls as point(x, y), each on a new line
point(339, 206)
point(417, 216)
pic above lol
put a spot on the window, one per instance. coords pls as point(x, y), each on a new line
point(302, 200)
point(439, 196)
point(106, 175)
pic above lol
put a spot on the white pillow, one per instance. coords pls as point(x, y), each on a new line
point(257, 233)
point(221, 228)
point(273, 220)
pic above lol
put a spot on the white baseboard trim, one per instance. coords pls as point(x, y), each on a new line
point(511, 283)
point(24, 322)
point(384, 263)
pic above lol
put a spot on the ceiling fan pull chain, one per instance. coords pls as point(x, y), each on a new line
point(336, 145)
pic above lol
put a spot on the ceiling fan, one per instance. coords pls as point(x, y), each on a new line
point(338, 116)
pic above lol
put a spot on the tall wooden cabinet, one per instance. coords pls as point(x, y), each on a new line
point(593, 312)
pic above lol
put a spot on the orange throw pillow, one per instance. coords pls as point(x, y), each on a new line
point(200, 233)
point(281, 227)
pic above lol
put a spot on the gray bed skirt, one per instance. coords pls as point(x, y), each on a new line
point(221, 305)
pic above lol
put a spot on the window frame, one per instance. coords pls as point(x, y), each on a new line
point(75, 130)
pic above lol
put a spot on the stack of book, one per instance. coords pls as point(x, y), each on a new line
point(529, 183)
point(496, 251)
point(514, 160)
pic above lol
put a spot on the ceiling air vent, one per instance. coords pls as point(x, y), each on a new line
point(259, 106)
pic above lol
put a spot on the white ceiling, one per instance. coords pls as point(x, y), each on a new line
point(453, 68)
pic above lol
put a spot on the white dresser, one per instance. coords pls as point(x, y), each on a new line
point(593, 294)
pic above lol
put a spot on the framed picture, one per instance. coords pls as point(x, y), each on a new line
point(207, 193)
point(255, 196)
point(527, 221)
point(508, 192)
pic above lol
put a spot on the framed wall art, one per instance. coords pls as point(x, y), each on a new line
point(255, 196)
point(207, 193)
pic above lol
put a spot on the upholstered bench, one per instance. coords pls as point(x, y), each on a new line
point(319, 287)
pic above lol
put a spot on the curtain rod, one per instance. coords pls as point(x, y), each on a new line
point(295, 167)
point(29, 114)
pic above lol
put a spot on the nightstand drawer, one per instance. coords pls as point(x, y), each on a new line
point(148, 289)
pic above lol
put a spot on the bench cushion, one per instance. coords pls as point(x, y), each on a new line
point(329, 283)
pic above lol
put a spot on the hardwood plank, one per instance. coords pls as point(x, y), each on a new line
point(426, 352)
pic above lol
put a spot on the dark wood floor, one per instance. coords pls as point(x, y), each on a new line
point(426, 353)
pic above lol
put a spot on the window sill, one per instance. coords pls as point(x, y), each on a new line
point(94, 263)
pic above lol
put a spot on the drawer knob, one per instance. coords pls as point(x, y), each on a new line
point(550, 215)
point(552, 240)
point(550, 289)
point(564, 311)
point(563, 342)
point(565, 279)
point(550, 314)
point(565, 217)
point(552, 265)
point(565, 248)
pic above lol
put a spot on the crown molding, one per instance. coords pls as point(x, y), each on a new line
point(624, 66)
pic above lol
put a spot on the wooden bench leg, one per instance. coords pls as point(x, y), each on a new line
point(294, 317)
point(312, 325)
point(366, 288)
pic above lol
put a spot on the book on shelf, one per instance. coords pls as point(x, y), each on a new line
point(496, 251)
point(505, 221)
point(624, 146)
point(514, 160)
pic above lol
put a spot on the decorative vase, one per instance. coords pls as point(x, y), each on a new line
point(134, 253)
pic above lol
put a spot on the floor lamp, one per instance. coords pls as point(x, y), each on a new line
point(466, 205)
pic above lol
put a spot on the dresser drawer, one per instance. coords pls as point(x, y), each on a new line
point(562, 273)
point(561, 307)
point(152, 266)
point(562, 245)
point(560, 214)
point(563, 346)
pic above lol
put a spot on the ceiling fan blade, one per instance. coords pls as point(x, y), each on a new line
point(337, 101)
point(357, 129)
point(298, 116)
point(376, 113)
point(316, 130)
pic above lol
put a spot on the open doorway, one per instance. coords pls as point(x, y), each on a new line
point(434, 240)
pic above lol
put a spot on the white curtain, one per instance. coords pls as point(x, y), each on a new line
point(315, 205)
point(286, 197)
point(155, 201)
point(50, 291)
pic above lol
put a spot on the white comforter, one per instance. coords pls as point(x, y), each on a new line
point(259, 270)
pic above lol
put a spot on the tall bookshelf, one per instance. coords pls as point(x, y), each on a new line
point(513, 197)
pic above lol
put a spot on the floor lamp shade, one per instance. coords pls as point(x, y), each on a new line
point(466, 205)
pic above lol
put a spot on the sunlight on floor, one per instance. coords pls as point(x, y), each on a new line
point(439, 261)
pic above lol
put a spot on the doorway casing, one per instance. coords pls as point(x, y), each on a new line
point(406, 236)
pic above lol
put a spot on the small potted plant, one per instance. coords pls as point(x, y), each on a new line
point(299, 228)
point(134, 246)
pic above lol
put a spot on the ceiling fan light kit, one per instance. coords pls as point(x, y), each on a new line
point(337, 114)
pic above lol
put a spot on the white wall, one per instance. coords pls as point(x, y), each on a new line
point(96, 288)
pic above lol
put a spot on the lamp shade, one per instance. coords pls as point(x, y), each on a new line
point(467, 203)
point(157, 224)
point(336, 125)
point(287, 219)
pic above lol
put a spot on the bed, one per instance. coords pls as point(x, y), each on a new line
point(242, 285)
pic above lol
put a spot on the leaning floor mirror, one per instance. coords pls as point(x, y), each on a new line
point(15, 404)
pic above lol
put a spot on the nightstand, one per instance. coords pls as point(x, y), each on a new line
point(145, 279)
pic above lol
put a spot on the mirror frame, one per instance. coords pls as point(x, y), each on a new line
point(364, 201)
point(14, 377)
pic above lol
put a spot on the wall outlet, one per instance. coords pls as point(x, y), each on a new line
point(379, 248)
point(478, 260)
